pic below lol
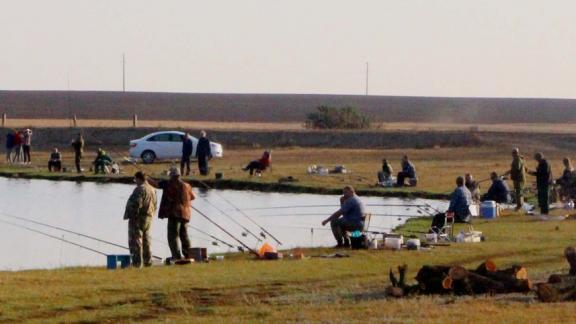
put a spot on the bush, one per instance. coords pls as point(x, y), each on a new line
point(344, 118)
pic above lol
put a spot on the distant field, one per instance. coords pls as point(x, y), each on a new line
point(280, 126)
point(265, 108)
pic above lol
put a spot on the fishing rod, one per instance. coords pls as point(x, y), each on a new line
point(71, 232)
point(225, 231)
point(323, 214)
point(241, 249)
point(244, 214)
point(246, 231)
point(334, 205)
point(52, 236)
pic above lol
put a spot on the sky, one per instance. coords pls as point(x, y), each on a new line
point(456, 48)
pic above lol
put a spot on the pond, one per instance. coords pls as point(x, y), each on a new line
point(27, 206)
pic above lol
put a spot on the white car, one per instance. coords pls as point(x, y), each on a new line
point(165, 145)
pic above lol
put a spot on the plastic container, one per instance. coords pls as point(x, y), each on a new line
point(413, 244)
point(394, 243)
point(431, 237)
point(375, 244)
point(488, 209)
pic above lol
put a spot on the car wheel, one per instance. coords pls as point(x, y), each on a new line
point(148, 156)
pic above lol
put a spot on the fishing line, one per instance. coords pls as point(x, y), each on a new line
point(70, 231)
point(241, 249)
point(323, 214)
point(52, 236)
point(338, 206)
point(225, 231)
point(243, 213)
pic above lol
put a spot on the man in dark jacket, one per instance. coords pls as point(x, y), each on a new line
point(498, 191)
point(78, 146)
point(187, 148)
point(408, 171)
point(460, 201)
point(543, 175)
point(203, 153)
point(9, 146)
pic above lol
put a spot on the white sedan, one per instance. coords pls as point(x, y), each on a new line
point(165, 145)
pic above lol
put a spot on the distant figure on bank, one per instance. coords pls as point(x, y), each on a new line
point(566, 181)
point(349, 218)
point(460, 201)
point(517, 174)
point(27, 145)
point(473, 186)
point(55, 162)
point(543, 176)
point(78, 147)
point(386, 174)
point(140, 209)
point(18, 140)
point(102, 161)
point(408, 172)
point(187, 148)
point(176, 205)
point(10, 136)
point(498, 191)
point(259, 165)
point(203, 153)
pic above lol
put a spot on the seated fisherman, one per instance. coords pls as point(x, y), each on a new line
point(566, 181)
point(386, 174)
point(408, 171)
point(460, 201)
point(473, 186)
point(101, 162)
point(55, 161)
point(498, 191)
point(350, 217)
point(259, 165)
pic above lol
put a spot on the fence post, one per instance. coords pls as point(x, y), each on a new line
point(74, 121)
point(4, 120)
point(135, 121)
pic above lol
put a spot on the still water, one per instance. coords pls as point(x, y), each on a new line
point(97, 210)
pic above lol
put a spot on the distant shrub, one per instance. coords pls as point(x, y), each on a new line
point(327, 117)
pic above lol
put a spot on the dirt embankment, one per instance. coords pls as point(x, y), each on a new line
point(279, 107)
point(61, 137)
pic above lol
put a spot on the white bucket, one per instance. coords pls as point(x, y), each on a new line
point(375, 244)
point(431, 237)
point(394, 243)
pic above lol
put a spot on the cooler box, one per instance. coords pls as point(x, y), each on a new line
point(488, 209)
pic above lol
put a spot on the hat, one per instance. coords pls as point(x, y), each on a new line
point(174, 172)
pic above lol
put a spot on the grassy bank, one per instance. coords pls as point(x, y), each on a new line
point(437, 169)
point(240, 289)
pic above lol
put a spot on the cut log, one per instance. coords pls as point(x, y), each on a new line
point(431, 279)
point(485, 267)
point(402, 274)
point(556, 278)
point(557, 292)
point(447, 283)
point(457, 273)
point(396, 292)
point(393, 279)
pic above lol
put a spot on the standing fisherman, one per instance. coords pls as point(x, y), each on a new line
point(187, 148)
point(140, 209)
point(78, 146)
point(543, 175)
point(176, 205)
point(517, 174)
point(203, 153)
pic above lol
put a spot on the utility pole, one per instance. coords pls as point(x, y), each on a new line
point(366, 78)
point(123, 72)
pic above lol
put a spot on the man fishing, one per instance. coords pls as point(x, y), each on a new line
point(140, 209)
point(78, 146)
point(460, 201)
point(543, 176)
point(176, 205)
point(517, 174)
point(350, 217)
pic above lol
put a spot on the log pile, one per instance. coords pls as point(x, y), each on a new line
point(485, 279)
point(560, 287)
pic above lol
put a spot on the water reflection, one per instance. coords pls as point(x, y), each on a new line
point(97, 210)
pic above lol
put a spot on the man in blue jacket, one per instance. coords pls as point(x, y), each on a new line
point(498, 191)
point(460, 201)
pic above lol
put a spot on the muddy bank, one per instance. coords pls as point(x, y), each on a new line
point(234, 185)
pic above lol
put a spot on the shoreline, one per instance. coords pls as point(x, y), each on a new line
point(228, 184)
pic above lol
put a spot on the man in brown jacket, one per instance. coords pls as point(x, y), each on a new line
point(176, 205)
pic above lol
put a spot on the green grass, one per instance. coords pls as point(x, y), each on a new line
point(240, 289)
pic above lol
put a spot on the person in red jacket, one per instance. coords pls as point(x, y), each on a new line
point(259, 165)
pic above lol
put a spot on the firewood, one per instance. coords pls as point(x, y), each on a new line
point(556, 278)
point(485, 267)
point(562, 291)
point(393, 279)
point(447, 283)
point(431, 278)
point(402, 273)
point(394, 292)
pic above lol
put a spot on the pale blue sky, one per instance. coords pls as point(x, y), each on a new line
point(486, 48)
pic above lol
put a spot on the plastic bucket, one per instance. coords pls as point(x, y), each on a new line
point(394, 243)
point(413, 244)
point(488, 209)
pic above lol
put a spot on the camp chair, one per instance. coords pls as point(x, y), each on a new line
point(364, 231)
